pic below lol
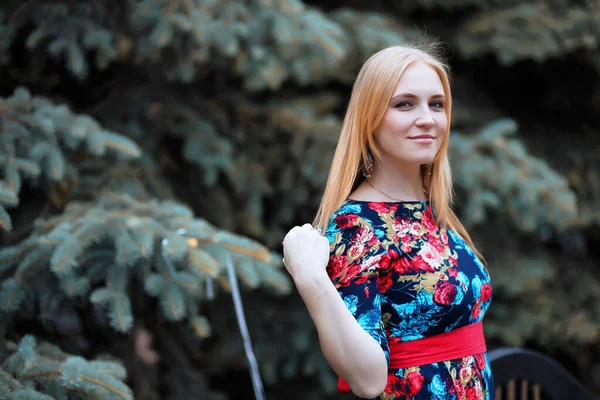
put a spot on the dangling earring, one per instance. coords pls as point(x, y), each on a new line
point(427, 182)
point(367, 168)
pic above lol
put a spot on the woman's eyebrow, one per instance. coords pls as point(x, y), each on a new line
point(412, 96)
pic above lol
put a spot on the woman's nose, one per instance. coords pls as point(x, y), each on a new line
point(425, 119)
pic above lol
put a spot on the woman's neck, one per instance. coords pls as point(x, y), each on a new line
point(398, 181)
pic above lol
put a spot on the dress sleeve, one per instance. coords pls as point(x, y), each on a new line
point(353, 267)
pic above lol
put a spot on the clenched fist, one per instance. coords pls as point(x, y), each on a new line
point(305, 253)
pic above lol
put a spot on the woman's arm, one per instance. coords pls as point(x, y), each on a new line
point(352, 353)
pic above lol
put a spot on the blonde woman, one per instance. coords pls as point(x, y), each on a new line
point(395, 286)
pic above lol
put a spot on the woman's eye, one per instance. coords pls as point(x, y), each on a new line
point(403, 104)
point(437, 104)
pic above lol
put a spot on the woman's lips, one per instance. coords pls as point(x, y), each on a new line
point(423, 139)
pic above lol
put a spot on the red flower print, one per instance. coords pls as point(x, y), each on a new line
point(370, 263)
point(406, 244)
point(383, 208)
point(362, 279)
point(402, 224)
point(384, 262)
point(360, 240)
point(336, 265)
point(363, 235)
point(428, 221)
point(346, 220)
point(373, 241)
point(356, 250)
point(444, 236)
point(403, 266)
point(466, 372)
point(453, 272)
point(420, 264)
point(476, 309)
point(414, 382)
point(437, 244)
point(395, 386)
point(416, 229)
point(457, 388)
point(431, 256)
point(352, 271)
point(445, 293)
point(473, 393)
point(481, 364)
point(366, 292)
point(380, 262)
point(486, 292)
point(402, 220)
point(453, 261)
point(383, 283)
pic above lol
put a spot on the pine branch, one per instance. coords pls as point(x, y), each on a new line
point(499, 173)
point(538, 30)
point(31, 369)
point(265, 43)
point(530, 283)
point(38, 139)
point(161, 243)
point(69, 32)
point(255, 159)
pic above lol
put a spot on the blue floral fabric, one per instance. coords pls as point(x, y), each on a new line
point(404, 278)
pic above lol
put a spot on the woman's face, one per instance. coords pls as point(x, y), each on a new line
point(415, 121)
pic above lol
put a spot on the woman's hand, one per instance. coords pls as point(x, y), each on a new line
point(305, 253)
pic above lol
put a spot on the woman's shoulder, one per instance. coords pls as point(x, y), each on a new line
point(349, 215)
point(355, 243)
point(353, 222)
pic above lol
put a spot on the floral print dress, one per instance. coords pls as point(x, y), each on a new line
point(404, 278)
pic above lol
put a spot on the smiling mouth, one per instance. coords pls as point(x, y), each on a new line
point(431, 137)
point(423, 139)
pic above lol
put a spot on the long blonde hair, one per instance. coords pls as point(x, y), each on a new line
point(371, 94)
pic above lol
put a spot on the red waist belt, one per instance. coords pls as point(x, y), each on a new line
point(461, 342)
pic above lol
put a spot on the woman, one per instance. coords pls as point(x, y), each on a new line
point(395, 287)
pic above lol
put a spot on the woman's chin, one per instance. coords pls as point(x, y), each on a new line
point(421, 159)
point(416, 158)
